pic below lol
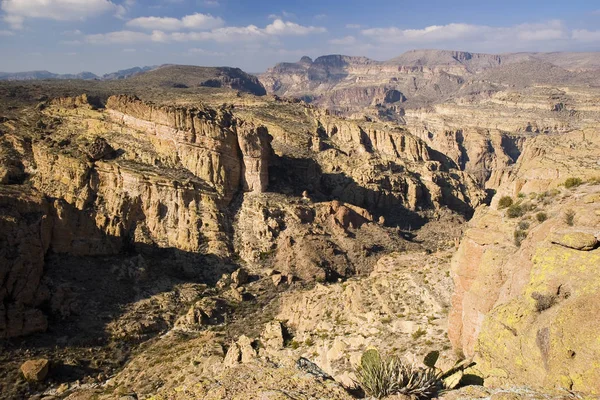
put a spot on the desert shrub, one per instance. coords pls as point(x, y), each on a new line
point(515, 211)
point(521, 195)
point(519, 236)
point(505, 201)
point(543, 301)
point(528, 206)
point(523, 225)
point(541, 216)
point(594, 180)
point(572, 182)
point(569, 217)
point(418, 333)
point(380, 377)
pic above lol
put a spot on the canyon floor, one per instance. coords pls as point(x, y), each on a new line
point(162, 238)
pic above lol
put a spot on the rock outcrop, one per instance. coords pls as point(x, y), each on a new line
point(80, 207)
point(522, 308)
point(35, 370)
point(25, 235)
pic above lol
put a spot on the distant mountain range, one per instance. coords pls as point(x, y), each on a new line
point(39, 75)
point(417, 78)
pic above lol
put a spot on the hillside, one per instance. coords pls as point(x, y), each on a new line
point(184, 76)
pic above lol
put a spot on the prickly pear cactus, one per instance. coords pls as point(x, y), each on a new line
point(370, 358)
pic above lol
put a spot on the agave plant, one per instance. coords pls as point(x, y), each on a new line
point(380, 377)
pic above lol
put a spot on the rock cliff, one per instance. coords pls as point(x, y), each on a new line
point(525, 279)
point(174, 171)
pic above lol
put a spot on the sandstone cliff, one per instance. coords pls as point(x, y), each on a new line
point(525, 279)
point(174, 171)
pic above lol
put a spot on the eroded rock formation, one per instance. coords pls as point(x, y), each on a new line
point(526, 277)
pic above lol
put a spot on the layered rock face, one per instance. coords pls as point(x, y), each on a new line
point(525, 277)
point(165, 187)
point(25, 234)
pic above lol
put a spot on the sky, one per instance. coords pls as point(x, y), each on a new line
point(101, 36)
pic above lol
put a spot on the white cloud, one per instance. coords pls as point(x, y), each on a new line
point(202, 21)
point(551, 30)
point(345, 41)
point(320, 16)
point(6, 33)
point(584, 35)
point(354, 26)
point(164, 23)
point(16, 11)
point(226, 34)
point(279, 27)
point(195, 21)
point(211, 3)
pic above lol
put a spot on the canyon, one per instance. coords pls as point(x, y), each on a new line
point(194, 232)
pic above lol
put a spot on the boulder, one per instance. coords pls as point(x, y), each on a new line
point(239, 277)
point(35, 370)
point(100, 149)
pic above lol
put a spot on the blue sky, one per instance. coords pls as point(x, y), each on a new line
point(100, 36)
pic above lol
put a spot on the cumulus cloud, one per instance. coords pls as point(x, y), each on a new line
point(16, 11)
point(195, 21)
point(279, 27)
point(551, 30)
point(226, 34)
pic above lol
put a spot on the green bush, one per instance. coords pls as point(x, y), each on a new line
point(573, 182)
point(519, 236)
point(569, 217)
point(515, 211)
point(418, 333)
point(541, 216)
point(523, 225)
point(505, 201)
